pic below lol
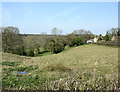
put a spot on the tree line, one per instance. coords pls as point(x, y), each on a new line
point(32, 45)
point(111, 32)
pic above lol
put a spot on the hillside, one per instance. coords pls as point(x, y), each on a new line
point(88, 61)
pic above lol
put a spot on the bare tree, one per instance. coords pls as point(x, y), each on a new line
point(54, 31)
point(60, 32)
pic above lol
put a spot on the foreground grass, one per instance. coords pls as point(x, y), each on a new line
point(84, 67)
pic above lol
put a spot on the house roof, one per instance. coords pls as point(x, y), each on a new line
point(117, 37)
point(91, 39)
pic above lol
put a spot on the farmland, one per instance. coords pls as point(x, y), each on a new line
point(59, 46)
point(83, 67)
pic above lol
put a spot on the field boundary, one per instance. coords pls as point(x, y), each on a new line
point(113, 44)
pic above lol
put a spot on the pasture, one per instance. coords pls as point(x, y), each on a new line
point(83, 67)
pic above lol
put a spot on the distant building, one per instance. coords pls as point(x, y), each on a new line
point(89, 41)
point(95, 39)
point(115, 38)
point(92, 40)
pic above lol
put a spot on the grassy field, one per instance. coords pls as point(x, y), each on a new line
point(84, 67)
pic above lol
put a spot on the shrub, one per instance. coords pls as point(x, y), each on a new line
point(74, 42)
point(58, 48)
point(29, 52)
point(55, 47)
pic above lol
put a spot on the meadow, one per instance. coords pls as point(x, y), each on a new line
point(85, 67)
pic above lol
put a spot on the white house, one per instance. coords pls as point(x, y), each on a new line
point(113, 38)
point(89, 41)
point(95, 40)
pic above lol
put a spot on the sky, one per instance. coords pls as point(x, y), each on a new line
point(38, 17)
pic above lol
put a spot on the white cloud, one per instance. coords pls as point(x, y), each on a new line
point(61, 14)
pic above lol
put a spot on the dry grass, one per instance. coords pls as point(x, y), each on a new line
point(96, 58)
point(57, 67)
point(93, 59)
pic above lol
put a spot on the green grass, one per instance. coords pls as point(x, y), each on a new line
point(90, 66)
point(67, 48)
point(44, 54)
point(8, 63)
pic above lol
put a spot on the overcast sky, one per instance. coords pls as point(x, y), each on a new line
point(40, 17)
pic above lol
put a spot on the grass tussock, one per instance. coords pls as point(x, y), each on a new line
point(58, 67)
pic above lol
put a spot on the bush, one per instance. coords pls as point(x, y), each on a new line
point(74, 42)
point(55, 47)
point(30, 52)
point(77, 41)
point(58, 48)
